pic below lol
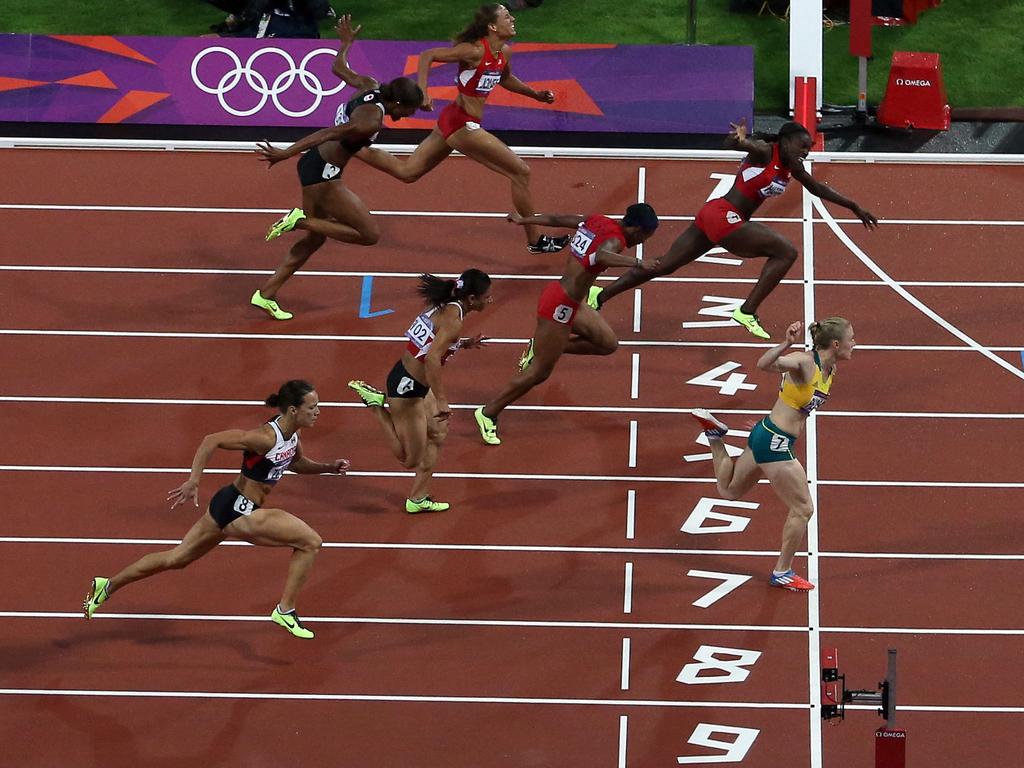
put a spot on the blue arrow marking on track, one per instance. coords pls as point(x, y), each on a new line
point(364, 300)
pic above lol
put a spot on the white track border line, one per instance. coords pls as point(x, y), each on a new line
point(85, 269)
point(813, 571)
point(896, 158)
point(910, 298)
point(605, 409)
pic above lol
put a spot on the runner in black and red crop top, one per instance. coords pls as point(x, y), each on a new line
point(237, 510)
point(565, 324)
point(725, 221)
point(481, 54)
point(334, 210)
point(415, 422)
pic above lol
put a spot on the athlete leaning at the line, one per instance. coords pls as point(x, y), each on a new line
point(236, 510)
point(329, 207)
point(725, 221)
point(806, 383)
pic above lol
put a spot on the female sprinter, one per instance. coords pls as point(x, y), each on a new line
point(563, 326)
point(237, 510)
point(725, 221)
point(806, 382)
point(415, 422)
point(329, 208)
point(483, 55)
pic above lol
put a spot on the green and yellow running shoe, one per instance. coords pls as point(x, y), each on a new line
point(750, 322)
point(371, 396)
point(286, 223)
point(592, 297)
point(526, 358)
point(488, 427)
point(96, 596)
point(270, 307)
point(291, 622)
point(426, 504)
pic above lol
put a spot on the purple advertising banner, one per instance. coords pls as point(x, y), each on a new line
point(212, 81)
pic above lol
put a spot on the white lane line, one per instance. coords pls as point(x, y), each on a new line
point(634, 379)
point(630, 513)
point(909, 297)
point(627, 600)
point(637, 303)
point(813, 571)
point(624, 677)
point(523, 340)
point(518, 623)
point(641, 192)
point(517, 276)
point(520, 476)
point(473, 406)
point(632, 444)
point(623, 729)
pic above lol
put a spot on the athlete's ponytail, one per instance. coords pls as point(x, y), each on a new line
point(828, 330)
point(437, 291)
point(291, 393)
point(485, 16)
point(402, 91)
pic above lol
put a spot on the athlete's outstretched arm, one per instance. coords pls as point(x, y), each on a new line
point(340, 66)
point(364, 123)
point(738, 139)
point(302, 465)
point(825, 192)
point(255, 440)
point(470, 53)
point(512, 83)
point(564, 220)
point(799, 365)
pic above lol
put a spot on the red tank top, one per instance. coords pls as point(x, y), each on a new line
point(588, 239)
point(480, 81)
point(758, 183)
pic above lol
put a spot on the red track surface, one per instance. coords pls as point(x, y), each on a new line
point(493, 634)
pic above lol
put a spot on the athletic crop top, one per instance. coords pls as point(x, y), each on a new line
point(345, 114)
point(807, 397)
point(421, 334)
point(588, 239)
point(267, 468)
point(482, 79)
point(758, 183)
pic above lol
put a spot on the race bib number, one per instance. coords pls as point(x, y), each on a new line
point(421, 331)
point(330, 171)
point(562, 313)
point(243, 506)
point(406, 384)
point(817, 400)
point(581, 241)
point(488, 82)
point(779, 444)
point(773, 189)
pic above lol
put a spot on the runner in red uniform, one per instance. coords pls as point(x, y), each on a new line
point(565, 324)
point(725, 221)
point(483, 56)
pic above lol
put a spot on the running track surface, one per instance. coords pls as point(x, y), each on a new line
point(554, 616)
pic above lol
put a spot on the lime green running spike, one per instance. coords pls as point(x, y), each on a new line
point(96, 596)
point(750, 322)
point(291, 622)
point(370, 396)
point(426, 504)
point(526, 358)
point(488, 427)
point(270, 307)
point(286, 223)
point(592, 297)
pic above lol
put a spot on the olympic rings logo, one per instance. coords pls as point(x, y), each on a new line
point(258, 83)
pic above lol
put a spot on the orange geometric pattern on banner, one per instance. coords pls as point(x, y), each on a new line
point(105, 44)
point(95, 79)
point(14, 83)
point(130, 104)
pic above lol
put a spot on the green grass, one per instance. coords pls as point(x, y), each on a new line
point(979, 40)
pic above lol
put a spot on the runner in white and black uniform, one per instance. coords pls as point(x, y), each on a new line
point(236, 510)
point(415, 422)
point(329, 207)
